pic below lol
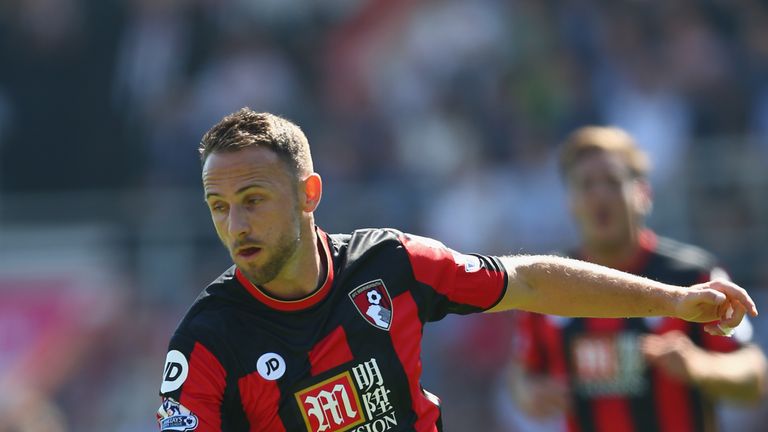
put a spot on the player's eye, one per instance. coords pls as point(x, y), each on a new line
point(218, 207)
point(253, 200)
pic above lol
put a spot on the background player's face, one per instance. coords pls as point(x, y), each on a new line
point(607, 203)
point(253, 200)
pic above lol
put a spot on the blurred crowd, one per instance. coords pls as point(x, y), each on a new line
point(437, 117)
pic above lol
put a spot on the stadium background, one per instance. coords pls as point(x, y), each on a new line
point(438, 117)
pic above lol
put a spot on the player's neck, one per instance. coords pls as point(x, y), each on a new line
point(617, 254)
point(304, 273)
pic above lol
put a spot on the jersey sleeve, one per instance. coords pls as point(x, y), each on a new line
point(192, 388)
point(452, 282)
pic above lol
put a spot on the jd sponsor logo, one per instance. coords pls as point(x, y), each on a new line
point(271, 366)
point(175, 371)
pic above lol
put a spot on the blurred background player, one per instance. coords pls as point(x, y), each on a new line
point(652, 374)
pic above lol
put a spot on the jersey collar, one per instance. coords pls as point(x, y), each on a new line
point(302, 303)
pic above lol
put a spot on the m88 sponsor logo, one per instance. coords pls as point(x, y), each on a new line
point(340, 404)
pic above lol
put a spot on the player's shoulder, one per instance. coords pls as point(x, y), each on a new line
point(205, 314)
point(363, 240)
point(388, 245)
point(370, 236)
point(683, 255)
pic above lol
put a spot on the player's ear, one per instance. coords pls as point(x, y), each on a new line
point(313, 191)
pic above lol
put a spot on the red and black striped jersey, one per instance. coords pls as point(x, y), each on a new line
point(612, 388)
point(346, 358)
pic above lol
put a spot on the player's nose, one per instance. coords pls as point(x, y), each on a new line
point(239, 225)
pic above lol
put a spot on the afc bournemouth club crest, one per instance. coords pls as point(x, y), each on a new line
point(373, 302)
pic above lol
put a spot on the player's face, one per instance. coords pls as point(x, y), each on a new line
point(606, 201)
point(253, 200)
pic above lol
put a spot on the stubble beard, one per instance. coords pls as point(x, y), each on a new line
point(284, 249)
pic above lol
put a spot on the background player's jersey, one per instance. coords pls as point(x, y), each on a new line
point(346, 358)
point(611, 387)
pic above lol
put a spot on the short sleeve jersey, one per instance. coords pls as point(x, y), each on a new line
point(346, 358)
point(611, 387)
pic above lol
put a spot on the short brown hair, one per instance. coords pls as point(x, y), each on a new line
point(602, 139)
point(246, 128)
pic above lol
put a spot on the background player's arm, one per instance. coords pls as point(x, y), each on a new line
point(563, 286)
point(536, 389)
point(738, 375)
point(537, 395)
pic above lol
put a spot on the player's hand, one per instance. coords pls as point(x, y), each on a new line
point(675, 354)
point(719, 302)
point(540, 396)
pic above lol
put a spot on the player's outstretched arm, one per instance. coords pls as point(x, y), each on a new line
point(568, 287)
point(738, 375)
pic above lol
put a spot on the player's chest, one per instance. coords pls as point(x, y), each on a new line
point(345, 369)
point(604, 356)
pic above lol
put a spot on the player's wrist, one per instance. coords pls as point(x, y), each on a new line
point(677, 303)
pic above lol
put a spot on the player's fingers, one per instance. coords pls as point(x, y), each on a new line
point(650, 353)
point(646, 342)
point(714, 330)
point(653, 347)
point(648, 338)
point(736, 315)
point(650, 341)
point(735, 292)
point(678, 340)
point(672, 336)
point(725, 310)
